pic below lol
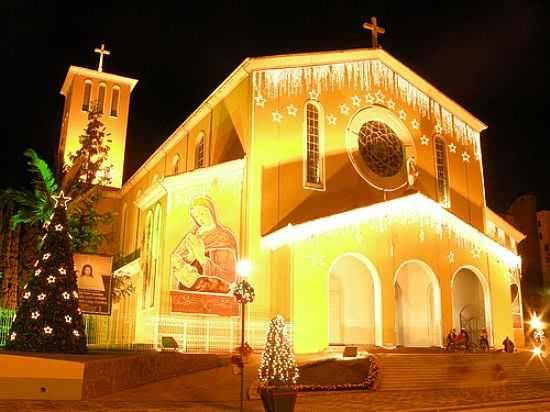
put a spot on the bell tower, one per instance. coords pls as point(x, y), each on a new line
point(82, 88)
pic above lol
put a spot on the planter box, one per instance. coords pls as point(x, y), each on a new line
point(278, 400)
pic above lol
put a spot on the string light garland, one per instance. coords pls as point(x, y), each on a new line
point(278, 365)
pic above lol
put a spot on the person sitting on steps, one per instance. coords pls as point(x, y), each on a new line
point(451, 336)
point(484, 340)
point(508, 345)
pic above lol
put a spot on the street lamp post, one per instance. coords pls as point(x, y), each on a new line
point(244, 293)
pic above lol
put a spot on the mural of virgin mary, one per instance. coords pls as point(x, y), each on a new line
point(204, 261)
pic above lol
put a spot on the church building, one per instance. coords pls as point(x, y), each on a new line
point(353, 186)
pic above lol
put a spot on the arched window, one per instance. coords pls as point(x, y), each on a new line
point(516, 306)
point(86, 95)
point(176, 164)
point(115, 94)
point(442, 172)
point(313, 165)
point(101, 98)
point(199, 151)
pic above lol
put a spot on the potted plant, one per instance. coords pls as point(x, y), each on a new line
point(278, 371)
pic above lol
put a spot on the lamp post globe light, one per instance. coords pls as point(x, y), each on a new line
point(243, 293)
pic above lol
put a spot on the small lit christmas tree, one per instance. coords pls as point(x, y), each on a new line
point(48, 318)
point(278, 366)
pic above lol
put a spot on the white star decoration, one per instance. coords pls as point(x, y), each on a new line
point(66, 295)
point(62, 271)
point(276, 116)
point(438, 128)
point(317, 258)
point(58, 227)
point(42, 296)
point(344, 109)
point(451, 257)
point(391, 104)
point(48, 330)
point(291, 110)
point(415, 124)
point(37, 272)
point(75, 332)
point(465, 157)
point(61, 200)
point(260, 101)
point(356, 100)
point(379, 96)
point(369, 99)
point(51, 279)
point(331, 119)
point(452, 147)
point(68, 319)
point(313, 95)
point(46, 256)
point(424, 140)
point(402, 114)
point(35, 315)
point(26, 295)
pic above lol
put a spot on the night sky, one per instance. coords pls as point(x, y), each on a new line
point(492, 59)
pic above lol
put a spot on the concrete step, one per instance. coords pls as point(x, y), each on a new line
point(441, 371)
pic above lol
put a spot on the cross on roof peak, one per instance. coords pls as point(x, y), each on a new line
point(375, 29)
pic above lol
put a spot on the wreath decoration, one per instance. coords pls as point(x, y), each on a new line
point(243, 291)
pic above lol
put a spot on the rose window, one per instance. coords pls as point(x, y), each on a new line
point(380, 148)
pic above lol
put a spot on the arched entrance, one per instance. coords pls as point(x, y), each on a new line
point(355, 306)
point(418, 305)
point(471, 305)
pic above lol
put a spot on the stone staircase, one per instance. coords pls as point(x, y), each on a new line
point(435, 371)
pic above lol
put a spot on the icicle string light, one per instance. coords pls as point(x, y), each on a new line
point(365, 75)
point(414, 209)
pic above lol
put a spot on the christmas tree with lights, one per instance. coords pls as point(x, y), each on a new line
point(278, 366)
point(48, 318)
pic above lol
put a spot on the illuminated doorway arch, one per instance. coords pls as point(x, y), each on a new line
point(418, 305)
point(355, 301)
point(471, 302)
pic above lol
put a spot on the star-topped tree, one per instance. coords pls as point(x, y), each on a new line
point(48, 318)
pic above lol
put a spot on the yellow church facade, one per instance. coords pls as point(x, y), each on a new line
point(355, 189)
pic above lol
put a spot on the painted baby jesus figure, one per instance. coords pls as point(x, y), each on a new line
point(204, 261)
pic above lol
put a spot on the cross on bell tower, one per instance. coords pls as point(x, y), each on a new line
point(375, 29)
point(101, 52)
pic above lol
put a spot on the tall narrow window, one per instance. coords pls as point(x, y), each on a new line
point(313, 164)
point(123, 223)
point(86, 95)
point(199, 152)
point(443, 193)
point(115, 94)
point(101, 98)
point(176, 164)
point(148, 253)
point(138, 221)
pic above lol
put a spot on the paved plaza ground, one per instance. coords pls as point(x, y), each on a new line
point(217, 390)
point(426, 401)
